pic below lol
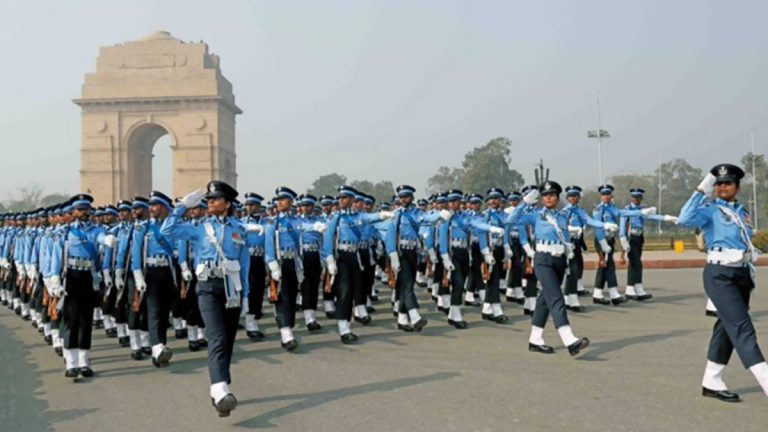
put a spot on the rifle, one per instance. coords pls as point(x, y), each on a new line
point(446, 278)
point(183, 286)
point(137, 298)
point(329, 279)
point(527, 266)
point(53, 308)
point(391, 279)
point(272, 289)
point(485, 270)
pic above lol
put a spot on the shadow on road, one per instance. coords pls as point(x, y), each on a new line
point(601, 348)
point(304, 401)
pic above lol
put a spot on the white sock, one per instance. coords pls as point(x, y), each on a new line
point(286, 334)
point(177, 325)
point(70, 358)
point(47, 329)
point(219, 390)
point(469, 296)
point(97, 314)
point(250, 323)
point(496, 309)
point(396, 306)
point(120, 330)
point(55, 337)
point(614, 293)
point(640, 290)
point(83, 358)
point(481, 293)
point(566, 335)
point(328, 306)
point(519, 292)
point(711, 306)
point(135, 338)
point(309, 316)
point(487, 309)
point(157, 349)
point(192, 333)
point(454, 313)
point(510, 292)
point(201, 333)
point(413, 314)
point(402, 318)
point(713, 376)
point(537, 336)
point(343, 327)
point(572, 300)
point(446, 299)
point(361, 311)
point(440, 302)
point(630, 291)
point(144, 338)
point(580, 285)
point(393, 297)
point(760, 371)
point(598, 293)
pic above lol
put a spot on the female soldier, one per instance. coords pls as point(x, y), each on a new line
point(728, 277)
point(221, 265)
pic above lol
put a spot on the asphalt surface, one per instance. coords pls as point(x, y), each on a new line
point(642, 372)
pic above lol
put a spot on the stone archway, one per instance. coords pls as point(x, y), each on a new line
point(142, 90)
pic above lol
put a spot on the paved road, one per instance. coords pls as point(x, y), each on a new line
point(642, 372)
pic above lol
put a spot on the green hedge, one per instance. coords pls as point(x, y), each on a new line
point(760, 240)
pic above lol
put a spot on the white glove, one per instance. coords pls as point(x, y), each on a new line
point(649, 211)
point(507, 251)
point(107, 278)
point(569, 251)
point(244, 308)
point(110, 241)
point(384, 214)
point(186, 273)
point(447, 263)
point(624, 244)
point(707, 185)
point(432, 256)
point(331, 267)
point(254, 228)
point(119, 283)
point(22, 273)
point(445, 214)
point(138, 277)
point(575, 230)
point(394, 262)
point(670, 218)
point(496, 230)
point(57, 290)
point(274, 269)
point(605, 246)
point(319, 227)
point(610, 226)
point(532, 197)
point(193, 199)
point(509, 210)
point(529, 250)
point(3, 262)
point(32, 272)
point(488, 256)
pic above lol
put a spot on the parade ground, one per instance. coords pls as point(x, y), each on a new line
point(642, 373)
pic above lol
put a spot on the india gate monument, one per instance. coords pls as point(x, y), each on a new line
point(143, 90)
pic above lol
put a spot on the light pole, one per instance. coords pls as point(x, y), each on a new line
point(754, 181)
point(599, 134)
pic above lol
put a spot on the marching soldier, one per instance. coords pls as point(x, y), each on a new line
point(257, 272)
point(282, 250)
point(311, 242)
point(76, 258)
point(632, 239)
point(154, 274)
point(514, 292)
point(605, 240)
point(403, 244)
point(728, 277)
point(553, 246)
point(222, 266)
point(495, 249)
point(188, 293)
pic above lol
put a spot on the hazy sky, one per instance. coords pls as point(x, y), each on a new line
point(394, 89)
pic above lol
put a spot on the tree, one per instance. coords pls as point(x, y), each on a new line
point(327, 185)
point(482, 168)
point(27, 198)
point(678, 180)
point(382, 190)
point(761, 180)
point(52, 199)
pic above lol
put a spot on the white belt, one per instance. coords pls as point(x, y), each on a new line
point(158, 262)
point(256, 251)
point(346, 247)
point(363, 245)
point(209, 270)
point(312, 247)
point(287, 253)
point(409, 244)
point(554, 249)
point(728, 257)
point(79, 263)
point(459, 244)
point(636, 231)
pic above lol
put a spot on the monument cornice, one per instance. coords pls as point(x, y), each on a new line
point(169, 103)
